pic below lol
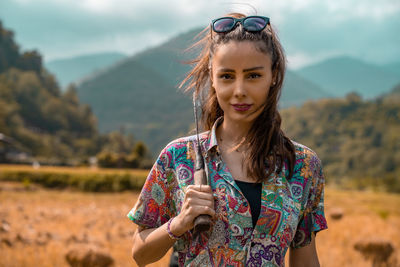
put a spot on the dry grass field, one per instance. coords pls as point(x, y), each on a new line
point(38, 226)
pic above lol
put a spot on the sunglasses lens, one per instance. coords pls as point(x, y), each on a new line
point(254, 24)
point(223, 25)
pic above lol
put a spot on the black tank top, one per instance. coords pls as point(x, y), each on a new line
point(252, 192)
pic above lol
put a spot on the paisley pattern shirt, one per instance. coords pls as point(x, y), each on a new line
point(291, 210)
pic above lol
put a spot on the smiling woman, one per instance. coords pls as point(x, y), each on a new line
point(265, 192)
point(241, 76)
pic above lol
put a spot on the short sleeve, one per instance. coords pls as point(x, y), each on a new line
point(312, 219)
point(155, 205)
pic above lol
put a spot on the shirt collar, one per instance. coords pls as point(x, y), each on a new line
point(211, 143)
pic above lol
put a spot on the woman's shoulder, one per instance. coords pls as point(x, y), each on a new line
point(308, 168)
point(304, 152)
point(184, 143)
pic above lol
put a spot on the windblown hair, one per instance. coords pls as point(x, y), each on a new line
point(268, 147)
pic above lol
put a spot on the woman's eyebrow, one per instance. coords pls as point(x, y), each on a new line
point(245, 70)
point(251, 69)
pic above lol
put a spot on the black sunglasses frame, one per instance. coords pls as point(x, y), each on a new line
point(241, 21)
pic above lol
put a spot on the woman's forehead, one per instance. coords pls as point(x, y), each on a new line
point(240, 54)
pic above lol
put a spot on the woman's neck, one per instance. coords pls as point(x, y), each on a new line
point(232, 133)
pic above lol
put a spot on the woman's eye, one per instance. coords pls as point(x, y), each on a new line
point(254, 75)
point(225, 76)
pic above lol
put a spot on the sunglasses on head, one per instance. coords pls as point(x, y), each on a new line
point(251, 23)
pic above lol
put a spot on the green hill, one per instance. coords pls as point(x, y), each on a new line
point(137, 99)
point(168, 58)
point(354, 138)
point(40, 120)
point(307, 90)
point(342, 75)
point(70, 70)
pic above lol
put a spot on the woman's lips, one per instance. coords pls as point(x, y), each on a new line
point(241, 107)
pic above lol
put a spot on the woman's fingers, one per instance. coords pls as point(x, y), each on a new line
point(206, 210)
point(192, 201)
point(194, 211)
point(194, 197)
point(200, 188)
point(199, 191)
point(199, 200)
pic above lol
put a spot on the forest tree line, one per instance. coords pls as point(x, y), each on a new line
point(355, 138)
point(51, 126)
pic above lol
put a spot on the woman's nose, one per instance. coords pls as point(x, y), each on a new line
point(240, 90)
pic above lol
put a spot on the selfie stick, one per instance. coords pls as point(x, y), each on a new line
point(202, 222)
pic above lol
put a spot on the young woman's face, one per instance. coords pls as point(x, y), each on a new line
point(241, 76)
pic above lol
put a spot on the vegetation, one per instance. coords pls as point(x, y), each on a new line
point(120, 151)
point(81, 179)
point(43, 121)
point(47, 124)
point(354, 138)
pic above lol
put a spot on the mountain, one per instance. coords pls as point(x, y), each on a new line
point(342, 75)
point(393, 67)
point(140, 93)
point(137, 99)
point(168, 59)
point(297, 89)
point(392, 96)
point(70, 70)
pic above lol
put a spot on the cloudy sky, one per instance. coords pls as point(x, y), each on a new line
point(310, 30)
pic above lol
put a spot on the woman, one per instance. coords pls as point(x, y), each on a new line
point(266, 191)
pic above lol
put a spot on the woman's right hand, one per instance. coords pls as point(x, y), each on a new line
point(198, 200)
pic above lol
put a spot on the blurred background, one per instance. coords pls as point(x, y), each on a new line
point(89, 96)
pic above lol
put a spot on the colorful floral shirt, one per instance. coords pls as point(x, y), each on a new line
point(291, 210)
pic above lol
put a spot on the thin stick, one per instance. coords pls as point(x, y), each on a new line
point(199, 164)
point(202, 222)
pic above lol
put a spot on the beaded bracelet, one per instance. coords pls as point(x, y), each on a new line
point(171, 235)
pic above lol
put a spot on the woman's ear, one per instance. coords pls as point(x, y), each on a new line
point(274, 78)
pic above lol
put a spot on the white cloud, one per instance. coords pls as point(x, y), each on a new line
point(202, 10)
point(139, 9)
point(363, 8)
point(189, 7)
point(379, 12)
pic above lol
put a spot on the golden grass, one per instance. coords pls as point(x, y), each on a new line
point(101, 217)
point(362, 220)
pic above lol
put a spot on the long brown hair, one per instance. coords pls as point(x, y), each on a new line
point(269, 148)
